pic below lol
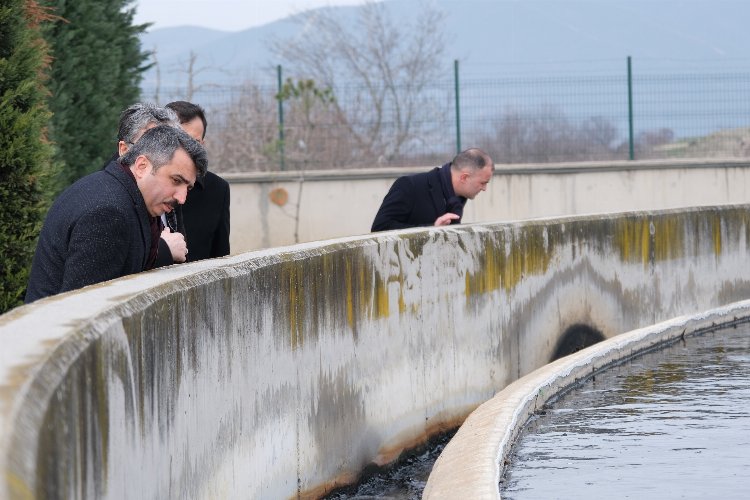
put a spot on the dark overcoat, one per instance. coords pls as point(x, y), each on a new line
point(206, 216)
point(97, 230)
point(413, 200)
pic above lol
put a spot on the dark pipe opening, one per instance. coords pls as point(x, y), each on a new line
point(575, 338)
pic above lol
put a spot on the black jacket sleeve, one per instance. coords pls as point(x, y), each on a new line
point(164, 255)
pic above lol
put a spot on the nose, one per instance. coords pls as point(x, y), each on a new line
point(181, 195)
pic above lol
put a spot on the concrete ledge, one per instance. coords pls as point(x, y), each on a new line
point(283, 373)
point(472, 463)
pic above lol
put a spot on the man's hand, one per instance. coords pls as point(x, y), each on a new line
point(446, 219)
point(176, 244)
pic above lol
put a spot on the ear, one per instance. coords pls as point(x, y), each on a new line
point(122, 148)
point(141, 167)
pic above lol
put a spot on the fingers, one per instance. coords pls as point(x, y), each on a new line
point(446, 219)
point(177, 245)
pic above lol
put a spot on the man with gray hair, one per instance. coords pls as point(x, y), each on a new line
point(437, 197)
point(139, 117)
point(105, 225)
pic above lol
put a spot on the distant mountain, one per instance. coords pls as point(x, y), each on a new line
point(499, 37)
point(221, 58)
point(538, 41)
point(169, 43)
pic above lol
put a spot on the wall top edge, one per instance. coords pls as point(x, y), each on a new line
point(500, 170)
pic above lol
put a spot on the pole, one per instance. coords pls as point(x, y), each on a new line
point(458, 108)
point(281, 119)
point(630, 110)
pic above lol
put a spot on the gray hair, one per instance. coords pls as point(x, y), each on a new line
point(159, 145)
point(138, 117)
point(473, 158)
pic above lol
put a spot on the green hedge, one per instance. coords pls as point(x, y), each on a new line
point(24, 149)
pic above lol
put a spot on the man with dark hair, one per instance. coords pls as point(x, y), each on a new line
point(135, 120)
point(437, 197)
point(205, 214)
point(105, 225)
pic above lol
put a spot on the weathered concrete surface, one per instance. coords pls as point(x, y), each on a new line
point(472, 463)
point(315, 199)
point(284, 372)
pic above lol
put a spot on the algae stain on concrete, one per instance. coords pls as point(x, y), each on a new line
point(668, 238)
point(296, 303)
point(632, 238)
point(341, 287)
point(507, 258)
point(18, 488)
point(716, 233)
point(674, 236)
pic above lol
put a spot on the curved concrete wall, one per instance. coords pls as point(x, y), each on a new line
point(284, 372)
point(472, 463)
point(309, 204)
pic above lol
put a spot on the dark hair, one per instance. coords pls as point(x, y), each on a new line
point(187, 111)
point(159, 144)
point(473, 158)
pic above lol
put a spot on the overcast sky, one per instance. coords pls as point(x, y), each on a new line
point(227, 15)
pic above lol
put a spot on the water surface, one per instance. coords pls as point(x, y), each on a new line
point(674, 423)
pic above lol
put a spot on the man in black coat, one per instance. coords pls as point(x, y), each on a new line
point(437, 197)
point(106, 225)
point(135, 120)
point(205, 214)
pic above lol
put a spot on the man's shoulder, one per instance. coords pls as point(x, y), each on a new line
point(96, 191)
point(89, 185)
point(422, 178)
point(214, 181)
point(111, 174)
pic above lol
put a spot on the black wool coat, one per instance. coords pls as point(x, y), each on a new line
point(206, 218)
point(413, 200)
point(97, 230)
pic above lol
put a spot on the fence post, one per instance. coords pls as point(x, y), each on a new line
point(458, 107)
point(630, 111)
point(281, 119)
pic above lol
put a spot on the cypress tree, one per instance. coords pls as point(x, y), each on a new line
point(97, 66)
point(24, 150)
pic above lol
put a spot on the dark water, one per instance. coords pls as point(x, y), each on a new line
point(403, 480)
point(671, 424)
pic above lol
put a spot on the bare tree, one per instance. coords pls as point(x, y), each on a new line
point(548, 135)
point(157, 69)
point(244, 136)
point(314, 135)
point(379, 70)
point(192, 70)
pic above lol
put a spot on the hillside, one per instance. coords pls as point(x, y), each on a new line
point(492, 38)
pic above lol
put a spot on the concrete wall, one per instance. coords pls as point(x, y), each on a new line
point(281, 373)
point(473, 462)
point(319, 205)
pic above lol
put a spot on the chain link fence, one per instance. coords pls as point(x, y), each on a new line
point(294, 125)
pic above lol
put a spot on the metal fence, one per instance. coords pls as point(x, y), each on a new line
point(295, 125)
